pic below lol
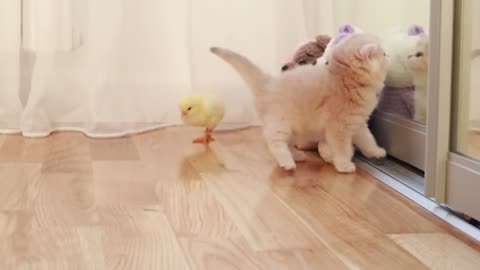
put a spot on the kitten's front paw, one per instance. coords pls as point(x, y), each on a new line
point(345, 167)
point(377, 152)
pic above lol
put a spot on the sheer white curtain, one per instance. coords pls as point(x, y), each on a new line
point(112, 67)
point(10, 106)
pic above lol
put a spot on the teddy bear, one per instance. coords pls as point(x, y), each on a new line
point(398, 94)
point(312, 51)
point(307, 52)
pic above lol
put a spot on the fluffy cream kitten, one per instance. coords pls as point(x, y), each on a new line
point(329, 103)
point(418, 63)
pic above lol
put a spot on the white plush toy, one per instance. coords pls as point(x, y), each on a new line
point(418, 64)
point(398, 95)
point(344, 31)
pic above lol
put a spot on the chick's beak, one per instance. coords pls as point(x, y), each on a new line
point(184, 113)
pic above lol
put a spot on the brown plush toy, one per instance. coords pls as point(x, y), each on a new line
point(307, 53)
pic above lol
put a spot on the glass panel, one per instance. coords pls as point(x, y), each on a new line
point(405, 91)
point(466, 113)
point(404, 32)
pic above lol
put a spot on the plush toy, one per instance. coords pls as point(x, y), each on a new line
point(397, 96)
point(418, 64)
point(307, 52)
point(344, 31)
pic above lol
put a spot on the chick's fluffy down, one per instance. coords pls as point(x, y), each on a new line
point(203, 110)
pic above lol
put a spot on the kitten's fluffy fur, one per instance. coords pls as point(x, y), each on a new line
point(330, 103)
point(418, 63)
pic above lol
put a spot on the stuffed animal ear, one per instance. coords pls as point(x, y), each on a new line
point(416, 30)
point(366, 51)
point(346, 28)
point(339, 38)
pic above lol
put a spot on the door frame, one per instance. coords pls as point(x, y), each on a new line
point(439, 98)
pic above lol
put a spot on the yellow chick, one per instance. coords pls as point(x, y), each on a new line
point(202, 110)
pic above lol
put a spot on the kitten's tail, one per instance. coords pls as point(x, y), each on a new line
point(255, 78)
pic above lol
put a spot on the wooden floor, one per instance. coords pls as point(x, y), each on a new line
point(155, 201)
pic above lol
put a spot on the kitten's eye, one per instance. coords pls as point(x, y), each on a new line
point(303, 62)
point(309, 55)
point(419, 54)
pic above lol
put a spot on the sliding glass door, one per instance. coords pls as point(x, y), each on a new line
point(462, 186)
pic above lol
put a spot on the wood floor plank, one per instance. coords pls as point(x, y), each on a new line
point(62, 199)
point(366, 198)
point(23, 247)
point(187, 202)
point(193, 211)
point(16, 148)
point(439, 251)
point(137, 238)
point(15, 179)
point(124, 182)
point(336, 224)
point(260, 216)
point(114, 149)
point(349, 235)
point(12, 149)
point(361, 193)
point(68, 153)
point(235, 253)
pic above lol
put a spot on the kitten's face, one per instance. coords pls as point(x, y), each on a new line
point(418, 59)
point(364, 57)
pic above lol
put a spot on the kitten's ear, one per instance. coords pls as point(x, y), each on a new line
point(366, 51)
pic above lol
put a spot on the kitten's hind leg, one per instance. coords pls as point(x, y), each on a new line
point(278, 144)
point(365, 141)
point(339, 139)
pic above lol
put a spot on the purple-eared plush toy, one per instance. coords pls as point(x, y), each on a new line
point(398, 95)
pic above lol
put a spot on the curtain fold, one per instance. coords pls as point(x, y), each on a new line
point(138, 57)
point(52, 25)
point(10, 42)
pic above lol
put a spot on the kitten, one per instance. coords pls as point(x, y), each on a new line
point(418, 63)
point(331, 102)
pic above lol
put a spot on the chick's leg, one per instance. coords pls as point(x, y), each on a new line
point(208, 133)
point(206, 138)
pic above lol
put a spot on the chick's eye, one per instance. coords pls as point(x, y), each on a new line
point(189, 108)
point(419, 54)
